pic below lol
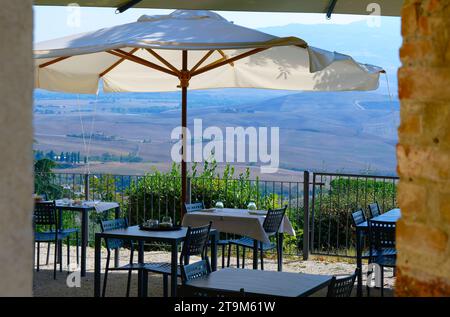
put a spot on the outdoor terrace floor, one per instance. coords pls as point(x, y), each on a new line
point(44, 285)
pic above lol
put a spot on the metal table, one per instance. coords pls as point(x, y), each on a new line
point(84, 211)
point(389, 216)
point(266, 283)
point(172, 238)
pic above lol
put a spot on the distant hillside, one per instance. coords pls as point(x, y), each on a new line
point(371, 45)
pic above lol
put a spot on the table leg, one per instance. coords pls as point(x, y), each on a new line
point(174, 269)
point(84, 240)
point(359, 262)
point(255, 254)
point(98, 245)
point(280, 251)
point(116, 251)
point(214, 238)
point(140, 272)
point(59, 224)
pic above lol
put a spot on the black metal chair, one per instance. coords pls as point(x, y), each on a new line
point(381, 240)
point(271, 226)
point(358, 217)
point(220, 243)
point(374, 210)
point(47, 231)
point(195, 244)
point(111, 244)
point(195, 270)
point(342, 286)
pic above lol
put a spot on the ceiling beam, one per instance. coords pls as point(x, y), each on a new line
point(388, 7)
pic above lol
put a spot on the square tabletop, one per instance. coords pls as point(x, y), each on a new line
point(390, 216)
point(257, 282)
point(134, 233)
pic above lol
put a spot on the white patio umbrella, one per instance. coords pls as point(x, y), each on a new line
point(195, 49)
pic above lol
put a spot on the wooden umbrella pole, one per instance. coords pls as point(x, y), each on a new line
point(184, 82)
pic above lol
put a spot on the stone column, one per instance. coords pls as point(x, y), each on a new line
point(16, 140)
point(423, 151)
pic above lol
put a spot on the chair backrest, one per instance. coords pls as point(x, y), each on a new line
point(193, 207)
point(273, 220)
point(192, 291)
point(358, 217)
point(381, 235)
point(195, 270)
point(342, 286)
point(195, 243)
point(374, 210)
point(45, 213)
point(108, 225)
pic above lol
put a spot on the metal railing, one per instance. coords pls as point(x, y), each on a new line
point(321, 218)
point(334, 197)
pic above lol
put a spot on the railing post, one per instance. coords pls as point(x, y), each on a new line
point(188, 190)
point(305, 215)
point(86, 186)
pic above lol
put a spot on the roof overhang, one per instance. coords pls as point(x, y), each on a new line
point(361, 7)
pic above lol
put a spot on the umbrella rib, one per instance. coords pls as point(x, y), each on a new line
point(54, 61)
point(120, 61)
point(225, 56)
point(141, 61)
point(163, 60)
point(225, 61)
point(200, 62)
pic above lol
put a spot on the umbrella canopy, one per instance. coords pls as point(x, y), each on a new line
point(145, 56)
point(195, 49)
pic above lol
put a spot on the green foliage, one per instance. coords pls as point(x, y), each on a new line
point(44, 180)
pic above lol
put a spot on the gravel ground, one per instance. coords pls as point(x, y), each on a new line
point(44, 285)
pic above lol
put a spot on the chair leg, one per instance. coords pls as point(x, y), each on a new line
point(144, 283)
point(38, 251)
point(68, 254)
point(60, 254)
point(223, 256)
point(56, 259)
point(106, 273)
point(243, 257)
point(166, 285)
point(262, 257)
point(48, 254)
point(78, 248)
point(130, 271)
point(229, 254)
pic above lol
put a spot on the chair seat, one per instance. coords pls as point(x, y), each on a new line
point(385, 261)
point(64, 231)
point(387, 252)
point(127, 267)
point(221, 242)
point(248, 243)
point(161, 267)
point(49, 236)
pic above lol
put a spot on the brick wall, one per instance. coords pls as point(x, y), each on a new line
point(423, 152)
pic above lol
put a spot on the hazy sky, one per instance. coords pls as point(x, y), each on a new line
point(53, 22)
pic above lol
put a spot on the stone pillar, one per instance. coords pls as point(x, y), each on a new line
point(16, 140)
point(423, 151)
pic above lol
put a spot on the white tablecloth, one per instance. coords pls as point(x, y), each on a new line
point(237, 221)
point(100, 206)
